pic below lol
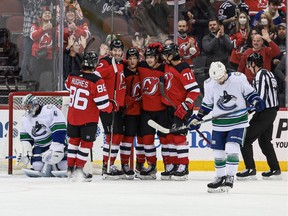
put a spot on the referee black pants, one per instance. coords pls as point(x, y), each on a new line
point(261, 128)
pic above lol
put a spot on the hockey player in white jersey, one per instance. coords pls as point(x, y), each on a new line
point(224, 93)
point(43, 139)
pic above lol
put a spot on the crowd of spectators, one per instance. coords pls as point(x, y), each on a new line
point(226, 31)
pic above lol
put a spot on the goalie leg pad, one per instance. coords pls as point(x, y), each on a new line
point(32, 173)
point(45, 172)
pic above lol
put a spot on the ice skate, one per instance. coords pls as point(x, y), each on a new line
point(138, 169)
point(272, 175)
point(113, 174)
point(78, 175)
point(149, 173)
point(128, 173)
point(70, 170)
point(217, 186)
point(247, 174)
point(229, 181)
point(181, 174)
point(169, 170)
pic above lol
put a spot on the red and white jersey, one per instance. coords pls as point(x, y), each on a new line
point(151, 96)
point(184, 51)
point(88, 95)
point(133, 90)
point(180, 84)
point(41, 39)
point(108, 73)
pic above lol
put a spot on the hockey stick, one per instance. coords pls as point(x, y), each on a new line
point(8, 157)
point(162, 91)
point(113, 115)
point(164, 130)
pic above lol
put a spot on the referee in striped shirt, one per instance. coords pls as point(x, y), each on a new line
point(261, 124)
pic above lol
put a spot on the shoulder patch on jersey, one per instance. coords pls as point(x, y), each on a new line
point(180, 67)
point(49, 106)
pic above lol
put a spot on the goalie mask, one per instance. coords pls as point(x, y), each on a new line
point(31, 104)
point(90, 59)
point(217, 70)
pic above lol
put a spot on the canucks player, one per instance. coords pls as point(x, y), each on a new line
point(43, 138)
point(226, 92)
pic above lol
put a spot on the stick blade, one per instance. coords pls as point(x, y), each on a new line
point(158, 127)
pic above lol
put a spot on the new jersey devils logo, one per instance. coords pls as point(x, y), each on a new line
point(168, 80)
point(150, 85)
point(122, 84)
point(45, 40)
point(136, 90)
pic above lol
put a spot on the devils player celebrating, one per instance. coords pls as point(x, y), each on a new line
point(111, 69)
point(88, 95)
point(132, 116)
point(150, 71)
point(181, 90)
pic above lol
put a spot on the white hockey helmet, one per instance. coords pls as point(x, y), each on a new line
point(217, 70)
point(31, 104)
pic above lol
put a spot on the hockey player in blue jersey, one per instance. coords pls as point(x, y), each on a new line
point(224, 93)
point(43, 139)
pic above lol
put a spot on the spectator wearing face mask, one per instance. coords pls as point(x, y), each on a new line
point(239, 36)
point(276, 14)
point(229, 11)
point(266, 23)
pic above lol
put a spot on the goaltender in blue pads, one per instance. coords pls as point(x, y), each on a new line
point(223, 93)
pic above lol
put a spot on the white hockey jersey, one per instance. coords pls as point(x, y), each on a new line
point(228, 97)
point(48, 126)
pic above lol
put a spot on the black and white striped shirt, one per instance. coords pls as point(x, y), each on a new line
point(266, 86)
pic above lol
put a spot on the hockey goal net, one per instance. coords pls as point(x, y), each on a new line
point(16, 111)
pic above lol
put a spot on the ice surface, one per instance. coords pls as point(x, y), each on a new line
point(23, 196)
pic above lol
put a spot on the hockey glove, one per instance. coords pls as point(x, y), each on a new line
point(24, 155)
point(182, 109)
point(259, 104)
point(194, 122)
point(54, 154)
point(115, 105)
